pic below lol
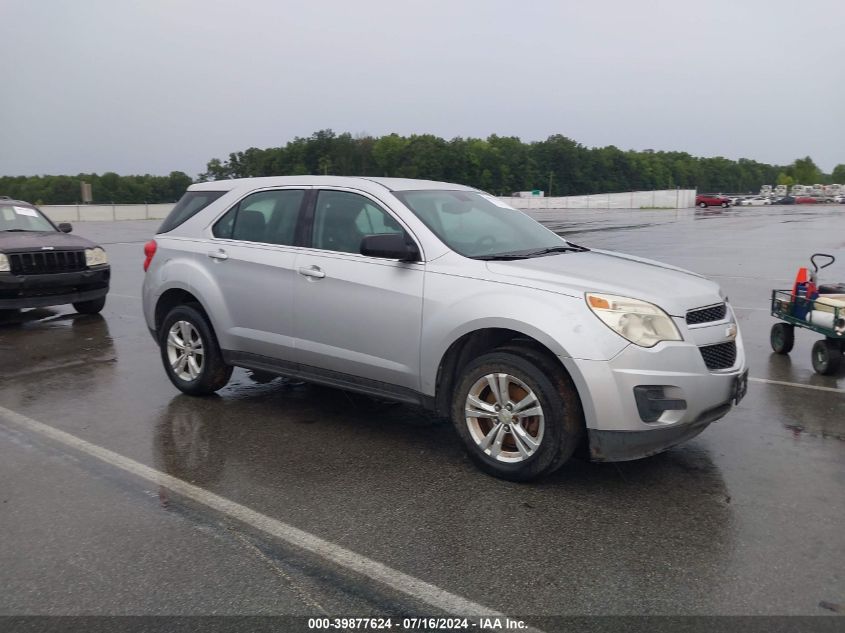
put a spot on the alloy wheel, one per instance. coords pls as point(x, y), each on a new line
point(504, 417)
point(185, 351)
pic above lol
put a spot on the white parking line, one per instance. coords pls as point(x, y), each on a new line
point(417, 589)
point(795, 384)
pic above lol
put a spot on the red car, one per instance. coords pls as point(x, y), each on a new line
point(805, 200)
point(704, 201)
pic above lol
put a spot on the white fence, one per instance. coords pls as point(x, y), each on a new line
point(106, 212)
point(663, 199)
point(669, 199)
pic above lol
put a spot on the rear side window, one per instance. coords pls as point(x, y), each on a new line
point(266, 216)
point(188, 206)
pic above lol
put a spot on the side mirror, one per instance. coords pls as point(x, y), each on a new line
point(65, 227)
point(390, 246)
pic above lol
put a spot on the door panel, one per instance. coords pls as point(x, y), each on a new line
point(258, 291)
point(253, 262)
point(354, 314)
point(360, 317)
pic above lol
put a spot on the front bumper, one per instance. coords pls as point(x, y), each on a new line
point(35, 291)
point(615, 425)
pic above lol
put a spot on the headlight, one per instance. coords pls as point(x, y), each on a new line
point(4, 264)
point(640, 322)
point(95, 257)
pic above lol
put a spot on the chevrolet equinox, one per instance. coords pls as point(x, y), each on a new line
point(443, 296)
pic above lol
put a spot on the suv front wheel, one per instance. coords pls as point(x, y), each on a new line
point(518, 414)
point(94, 306)
point(190, 352)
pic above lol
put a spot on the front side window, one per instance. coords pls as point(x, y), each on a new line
point(15, 217)
point(266, 216)
point(342, 220)
point(478, 225)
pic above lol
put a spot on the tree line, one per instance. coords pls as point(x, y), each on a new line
point(499, 164)
point(107, 188)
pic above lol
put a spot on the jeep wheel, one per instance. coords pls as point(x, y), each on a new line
point(90, 307)
point(190, 352)
point(518, 415)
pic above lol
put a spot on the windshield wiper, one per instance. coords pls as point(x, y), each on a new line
point(502, 257)
point(19, 231)
point(570, 248)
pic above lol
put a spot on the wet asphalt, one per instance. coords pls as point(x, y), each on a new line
point(748, 518)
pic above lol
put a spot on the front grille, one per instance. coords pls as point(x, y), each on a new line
point(706, 315)
point(720, 356)
point(46, 262)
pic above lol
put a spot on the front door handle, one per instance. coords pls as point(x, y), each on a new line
point(312, 271)
point(219, 254)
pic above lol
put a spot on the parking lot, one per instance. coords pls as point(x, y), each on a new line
point(748, 518)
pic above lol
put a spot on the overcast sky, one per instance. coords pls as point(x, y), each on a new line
point(159, 85)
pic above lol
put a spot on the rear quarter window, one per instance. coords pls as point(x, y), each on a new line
point(188, 206)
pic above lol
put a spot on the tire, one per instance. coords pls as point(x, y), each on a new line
point(827, 357)
point(703, 205)
point(204, 371)
point(546, 441)
point(725, 205)
point(90, 307)
point(782, 337)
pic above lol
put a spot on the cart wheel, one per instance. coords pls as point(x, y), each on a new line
point(782, 337)
point(826, 357)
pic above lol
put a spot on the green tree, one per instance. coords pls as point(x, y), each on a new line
point(805, 172)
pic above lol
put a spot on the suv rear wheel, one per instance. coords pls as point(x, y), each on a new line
point(190, 352)
point(518, 415)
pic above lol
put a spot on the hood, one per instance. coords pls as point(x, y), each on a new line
point(674, 289)
point(13, 242)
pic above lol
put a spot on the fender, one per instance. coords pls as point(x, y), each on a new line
point(182, 273)
point(561, 323)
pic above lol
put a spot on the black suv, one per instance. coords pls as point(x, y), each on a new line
point(41, 265)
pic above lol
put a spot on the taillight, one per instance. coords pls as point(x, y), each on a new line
point(149, 251)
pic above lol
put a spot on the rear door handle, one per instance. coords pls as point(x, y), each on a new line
point(219, 254)
point(312, 271)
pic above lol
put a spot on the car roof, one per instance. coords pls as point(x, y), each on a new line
point(8, 200)
point(373, 185)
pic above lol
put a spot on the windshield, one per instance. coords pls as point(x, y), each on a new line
point(479, 225)
point(16, 217)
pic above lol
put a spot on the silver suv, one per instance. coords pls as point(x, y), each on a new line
point(442, 296)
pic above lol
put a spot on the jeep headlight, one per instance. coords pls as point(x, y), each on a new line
point(4, 264)
point(640, 322)
point(95, 257)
